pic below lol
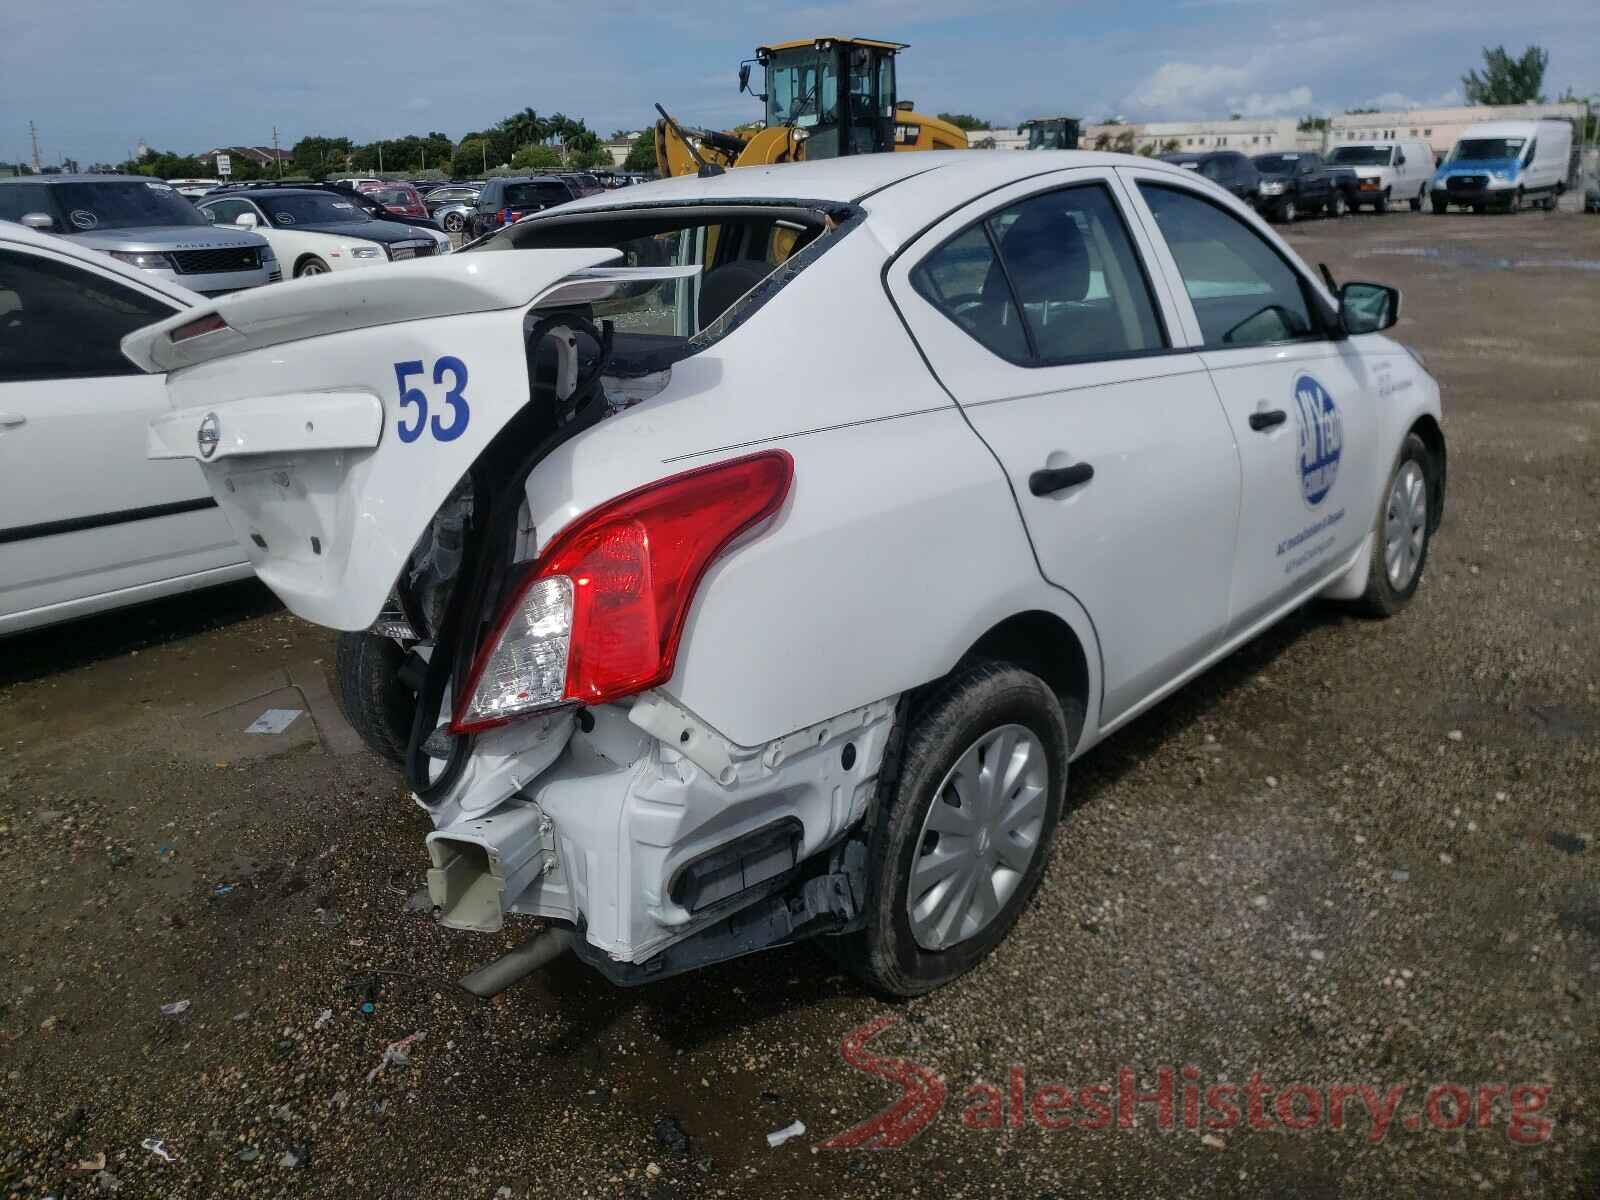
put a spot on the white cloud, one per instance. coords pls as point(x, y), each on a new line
point(1177, 88)
point(1400, 100)
point(1296, 100)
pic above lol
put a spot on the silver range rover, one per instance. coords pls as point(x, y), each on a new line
point(144, 223)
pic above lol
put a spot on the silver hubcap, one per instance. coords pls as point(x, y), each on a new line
point(1288, 211)
point(311, 269)
point(979, 837)
point(1405, 524)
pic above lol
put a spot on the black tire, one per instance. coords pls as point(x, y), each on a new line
point(1286, 212)
point(973, 700)
point(1382, 598)
point(1513, 203)
point(453, 222)
point(1381, 204)
point(1416, 201)
point(1335, 206)
point(1440, 207)
point(310, 265)
point(373, 699)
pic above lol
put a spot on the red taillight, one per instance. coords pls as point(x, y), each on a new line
point(633, 564)
point(209, 323)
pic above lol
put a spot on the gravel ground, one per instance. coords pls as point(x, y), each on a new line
point(1354, 853)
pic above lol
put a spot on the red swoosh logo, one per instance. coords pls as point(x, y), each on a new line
point(922, 1094)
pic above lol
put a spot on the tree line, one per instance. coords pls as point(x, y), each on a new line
point(523, 141)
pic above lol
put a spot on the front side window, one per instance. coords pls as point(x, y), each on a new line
point(1051, 279)
point(228, 212)
point(1243, 293)
point(17, 200)
point(62, 322)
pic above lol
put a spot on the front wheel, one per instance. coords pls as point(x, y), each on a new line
point(1287, 212)
point(453, 222)
point(965, 818)
point(1440, 207)
point(1402, 532)
point(310, 266)
point(1381, 204)
point(1335, 207)
point(1416, 201)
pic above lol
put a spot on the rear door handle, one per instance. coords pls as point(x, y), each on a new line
point(12, 420)
point(1271, 419)
point(1058, 479)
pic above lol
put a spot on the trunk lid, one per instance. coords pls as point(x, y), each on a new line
point(331, 417)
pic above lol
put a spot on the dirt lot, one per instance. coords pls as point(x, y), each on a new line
point(1356, 853)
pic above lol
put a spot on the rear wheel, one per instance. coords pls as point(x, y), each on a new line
point(1402, 532)
point(453, 222)
point(965, 818)
point(310, 266)
point(371, 695)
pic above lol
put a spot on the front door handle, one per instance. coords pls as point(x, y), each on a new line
point(1270, 419)
point(12, 420)
point(1058, 479)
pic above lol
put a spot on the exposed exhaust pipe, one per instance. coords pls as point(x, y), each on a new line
point(495, 977)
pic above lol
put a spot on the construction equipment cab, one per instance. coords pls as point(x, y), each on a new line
point(1051, 133)
point(824, 98)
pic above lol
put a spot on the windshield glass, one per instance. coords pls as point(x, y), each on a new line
point(394, 197)
point(1478, 149)
point(1047, 135)
point(327, 209)
point(1277, 164)
point(114, 204)
point(802, 89)
point(1363, 156)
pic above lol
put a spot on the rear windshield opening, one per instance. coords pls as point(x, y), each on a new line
point(736, 247)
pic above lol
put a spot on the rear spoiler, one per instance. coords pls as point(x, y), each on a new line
point(385, 295)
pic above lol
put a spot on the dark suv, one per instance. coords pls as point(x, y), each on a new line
point(1226, 168)
point(502, 201)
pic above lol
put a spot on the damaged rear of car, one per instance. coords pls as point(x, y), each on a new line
point(420, 463)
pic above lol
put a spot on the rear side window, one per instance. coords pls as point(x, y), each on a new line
point(1052, 279)
point(1243, 293)
point(63, 322)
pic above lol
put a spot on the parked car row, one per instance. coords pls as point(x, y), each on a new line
point(1501, 165)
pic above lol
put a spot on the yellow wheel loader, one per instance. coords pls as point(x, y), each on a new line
point(825, 97)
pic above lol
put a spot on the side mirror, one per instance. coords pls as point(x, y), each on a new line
point(1368, 307)
point(1399, 160)
point(744, 77)
point(246, 220)
point(39, 220)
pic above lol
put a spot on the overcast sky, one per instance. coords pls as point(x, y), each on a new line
point(99, 75)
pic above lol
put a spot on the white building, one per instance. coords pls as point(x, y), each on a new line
point(1440, 127)
point(998, 139)
point(1246, 135)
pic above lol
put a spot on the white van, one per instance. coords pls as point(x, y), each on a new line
point(1387, 172)
point(1498, 164)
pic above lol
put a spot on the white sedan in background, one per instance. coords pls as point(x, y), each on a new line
point(87, 522)
point(710, 646)
point(314, 231)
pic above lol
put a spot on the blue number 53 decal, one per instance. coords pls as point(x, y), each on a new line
point(414, 397)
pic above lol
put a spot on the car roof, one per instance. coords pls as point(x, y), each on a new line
point(12, 234)
point(1503, 129)
point(257, 192)
point(84, 178)
point(902, 192)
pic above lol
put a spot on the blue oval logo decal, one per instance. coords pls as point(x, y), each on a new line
point(1321, 439)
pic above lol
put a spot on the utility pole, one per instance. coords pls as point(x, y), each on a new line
point(380, 160)
point(33, 132)
point(275, 156)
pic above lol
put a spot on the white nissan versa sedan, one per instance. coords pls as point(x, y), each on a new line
point(746, 559)
point(87, 522)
